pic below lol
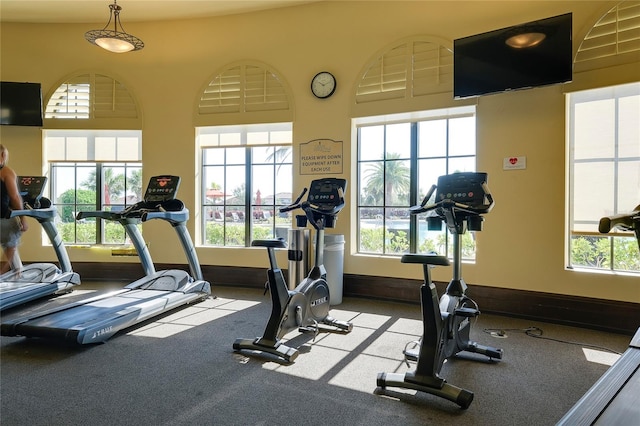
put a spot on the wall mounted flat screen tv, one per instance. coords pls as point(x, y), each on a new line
point(20, 104)
point(534, 54)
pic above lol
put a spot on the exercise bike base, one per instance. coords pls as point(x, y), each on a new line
point(460, 396)
point(281, 351)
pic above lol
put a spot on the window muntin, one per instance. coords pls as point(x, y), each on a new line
point(603, 175)
point(398, 161)
point(246, 177)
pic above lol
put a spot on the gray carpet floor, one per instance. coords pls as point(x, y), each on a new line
point(181, 369)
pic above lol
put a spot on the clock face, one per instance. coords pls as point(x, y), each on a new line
point(323, 84)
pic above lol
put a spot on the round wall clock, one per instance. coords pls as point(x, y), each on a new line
point(323, 85)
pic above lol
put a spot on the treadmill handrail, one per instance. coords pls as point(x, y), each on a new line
point(38, 214)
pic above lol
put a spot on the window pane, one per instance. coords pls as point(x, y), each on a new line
point(591, 252)
point(371, 143)
point(235, 155)
point(372, 184)
point(462, 136)
point(397, 231)
point(594, 129)
point(592, 194)
point(284, 174)
point(628, 185)
point(432, 138)
point(396, 185)
point(371, 235)
point(625, 254)
point(235, 185)
point(462, 164)
point(398, 141)
point(213, 156)
point(428, 173)
point(628, 127)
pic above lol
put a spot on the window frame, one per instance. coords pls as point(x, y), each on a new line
point(615, 239)
point(415, 192)
point(97, 151)
point(249, 138)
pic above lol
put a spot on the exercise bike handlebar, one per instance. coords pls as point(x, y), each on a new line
point(322, 209)
point(295, 205)
point(450, 204)
point(624, 221)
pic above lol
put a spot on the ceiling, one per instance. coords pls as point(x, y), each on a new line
point(79, 11)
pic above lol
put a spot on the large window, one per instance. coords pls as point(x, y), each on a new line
point(93, 170)
point(399, 158)
point(603, 175)
point(246, 177)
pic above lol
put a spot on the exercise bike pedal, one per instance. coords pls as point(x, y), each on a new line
point(314, 329)
point(340, 325)
point(411, 354)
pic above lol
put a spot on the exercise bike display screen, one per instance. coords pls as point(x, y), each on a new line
point(327, 194)
point(467, 188)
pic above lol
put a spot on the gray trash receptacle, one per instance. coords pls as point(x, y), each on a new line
point(298, 255)
point(334, 264)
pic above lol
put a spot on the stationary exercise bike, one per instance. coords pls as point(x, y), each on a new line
point(624, 221)
point(461, 200)
point(307, 306)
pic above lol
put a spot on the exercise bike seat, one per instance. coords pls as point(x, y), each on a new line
point(425, 259)
point(275, 243)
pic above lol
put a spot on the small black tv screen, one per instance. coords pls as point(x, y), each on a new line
point(537, 53)
point(20, 104)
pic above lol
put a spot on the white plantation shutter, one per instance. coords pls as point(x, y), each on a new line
point(91, 96)
point(245, 88)
point(223, 93)
point(111, 99)
point(412, 68)
point(70, 100)
point(616, 33)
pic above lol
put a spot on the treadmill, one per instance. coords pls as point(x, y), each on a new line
point(37, 280)
point(96, 319)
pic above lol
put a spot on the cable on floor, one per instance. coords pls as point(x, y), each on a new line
point(537, 333)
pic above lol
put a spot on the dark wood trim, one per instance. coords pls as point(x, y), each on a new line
point(599, 314)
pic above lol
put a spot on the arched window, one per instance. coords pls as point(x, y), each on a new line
point(409, 68)
point(613, 40)
point(403, 148)
point(604, 146)
point(93, 150)
point(245, 92)
point(244, 133)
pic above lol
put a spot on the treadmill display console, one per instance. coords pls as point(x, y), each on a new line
point(467, 188)
point(162, 188)
point(31, 188)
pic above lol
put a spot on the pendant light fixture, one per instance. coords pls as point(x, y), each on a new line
point(114, 40)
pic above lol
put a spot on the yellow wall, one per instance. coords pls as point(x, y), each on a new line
point(523, 244)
